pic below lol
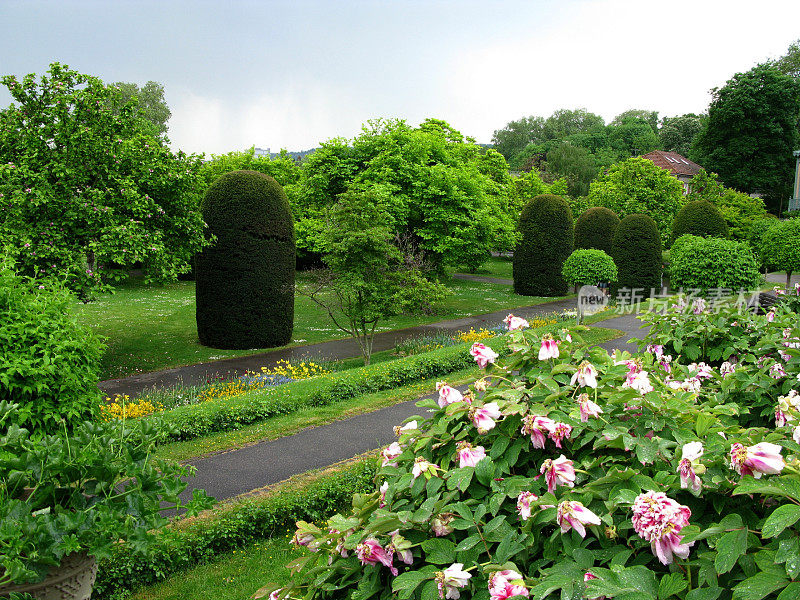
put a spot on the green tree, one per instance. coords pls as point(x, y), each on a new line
point(87, 188)
point(149, 100)
point(516, 135)
point(368, 279)
point(573, 163)
point(632, 137)
point(751, 131)
point(739, 210)
point(789, 63)
point(677, 134)
point(648, 117)
point(565, 122)
point(637, 186)
point(780, 247)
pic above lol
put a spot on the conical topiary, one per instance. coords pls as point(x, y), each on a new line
point(637, 253)
point(245, 281)
point(700, 218)
point(547, 241)
point(595, 228)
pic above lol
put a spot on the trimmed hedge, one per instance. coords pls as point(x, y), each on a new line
point(245, 281)
point(546, 242)
point(700, 218)
point(185, 544)
point(637, 253)
point(595, 228)
point(706, 263)
point(589, 266)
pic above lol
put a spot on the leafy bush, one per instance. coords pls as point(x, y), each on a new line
point(755, 237)
point(636, 251)
point(780, 247)
point(245, 281)
point(708, 263)
point(589, 267)
point(546, 241)
point(642, 496)
point(739, 210)
point(48, 363)
point(184, 544)
point(595, 228)
point(700, 218)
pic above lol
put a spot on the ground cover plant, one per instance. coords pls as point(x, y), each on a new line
point(580, 474)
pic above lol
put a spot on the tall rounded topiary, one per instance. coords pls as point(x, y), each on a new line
point(595, 228)
point(637, 253)
point(700, 218)
point(547, 241)
point(245, 281)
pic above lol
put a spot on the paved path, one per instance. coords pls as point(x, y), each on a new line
point(237, 472)
point(333, 350)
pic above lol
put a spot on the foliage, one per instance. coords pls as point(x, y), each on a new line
point(186, 543)
point(589, 267)
point(573, 163)
point(755, 237)
point(700, 218)
point(633, 136)
point(245, 281)
point(87, 188)
point(636, 250)
point(637, 186)
point(789, 63)
point(780, 247)
point(547, 239)
point(739, 210)
point(708, 264)
point(283, 169)
point(595, 228)
point(368, 279)
point(83, 492)
point(751, 131)
point(48, 363)
point(677, 134)
point(646, 491)
point(149, 102)
point(516, 135)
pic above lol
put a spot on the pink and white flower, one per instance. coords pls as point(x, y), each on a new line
point(796, 434)
point(702, 370)
point(407, 428)
point(524, 504)
point(574, 515)
point(560, 471)
point(370, 552)
point(771, 315)
point(513, 323)
point(451, 580)
point(484, 418)
point(390, 453)
point(538, 428)
point(689, 467)
point(549, 348)
point(787, 409)
point(585, 376)
point(506, 584)
point(483, 355)
point(760, 459)
point(639, 381)
point(588, 408)
point(699, 306)
point(469, 456)
point(656, 350)
point(658, 519)
point(727, 368)
point(777, 371)
point(383, 489)
point(559, 432)
point(424, 467)
point(447, 394)
point(440, 524)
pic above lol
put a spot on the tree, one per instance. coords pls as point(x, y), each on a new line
point(699, 218)
point(87, 189)
point(633, 137)
point(789, 63)
point(565, 122)
point(739, 210)
point(677, 134)
point(368, 279)
point(149, 101)
point(751, 131)
point(512, 139)
point(648, 117)
point(780, 247)
point(595, 228)
point(573, 163)
point(636, 251)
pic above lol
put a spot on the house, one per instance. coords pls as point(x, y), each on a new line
point(680, 167)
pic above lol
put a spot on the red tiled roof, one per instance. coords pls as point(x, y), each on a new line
point(673, 162)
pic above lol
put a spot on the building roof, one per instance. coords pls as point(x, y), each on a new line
point(673, 162)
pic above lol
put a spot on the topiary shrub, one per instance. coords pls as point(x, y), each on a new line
point(755, 237)
point(708, 263)
point(588, 266)
point(49, 363)
point(546, 241)
point(780, 247)
point(595, 228)
point(637, 253)
point(245, 281)
point(700, 218)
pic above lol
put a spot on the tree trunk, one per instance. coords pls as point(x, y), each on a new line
point(788, 280)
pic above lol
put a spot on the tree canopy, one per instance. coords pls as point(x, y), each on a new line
point(677, 134)
point(149, 101)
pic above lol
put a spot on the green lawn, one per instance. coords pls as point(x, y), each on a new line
point(150, 327)
point(497, 266)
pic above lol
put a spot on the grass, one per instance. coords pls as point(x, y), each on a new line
point(496, 266)
point(149, 327)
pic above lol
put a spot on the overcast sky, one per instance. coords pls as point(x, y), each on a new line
point(283, 74)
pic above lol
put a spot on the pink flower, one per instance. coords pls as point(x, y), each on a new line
point(390, 453)
point(763, 458)
point(484, 417)
point(383, 489)
point(506, 584)
point(423, 467)
point(448, 395)
point(771, 315)
point(658, 519)
point(585, 376)
point(776, 371)
point(796, 434)
point(371, 552)
point(698, 306)
point(549, 348)
point(727, 368)
point(451, 580)
point(513, 323)
point(689, 466)
point(588, 577)
point(702, 369)
point(639, 382)
point(440, 524)
point(574, 515)
point(588, 408)
point(537, 427)
point(559, 432)
point(560, 471)
point(469, 456)
point(656, 349)
point(524, 504)
point(407, 428)
point(483, 355)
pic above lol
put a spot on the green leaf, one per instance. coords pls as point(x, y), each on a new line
point(790, 592)
point(703, 423)
point(670, 585)
point(711, 593)
point(484, 471)
point(430, 591)
point(758, 586)
point(439, 551)
point(729, 548)
point(408, 581)
point(781, 518)
point(789, 553)
point(468, 543)
point(460, 478)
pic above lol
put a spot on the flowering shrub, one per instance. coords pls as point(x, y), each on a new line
point(575, 474)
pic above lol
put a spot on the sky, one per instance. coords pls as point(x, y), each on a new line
point(280, 74)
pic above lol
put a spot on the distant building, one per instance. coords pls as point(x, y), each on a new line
point(262, 152)
point(682, 168)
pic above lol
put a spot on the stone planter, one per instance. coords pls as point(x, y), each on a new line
point(71, 580)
